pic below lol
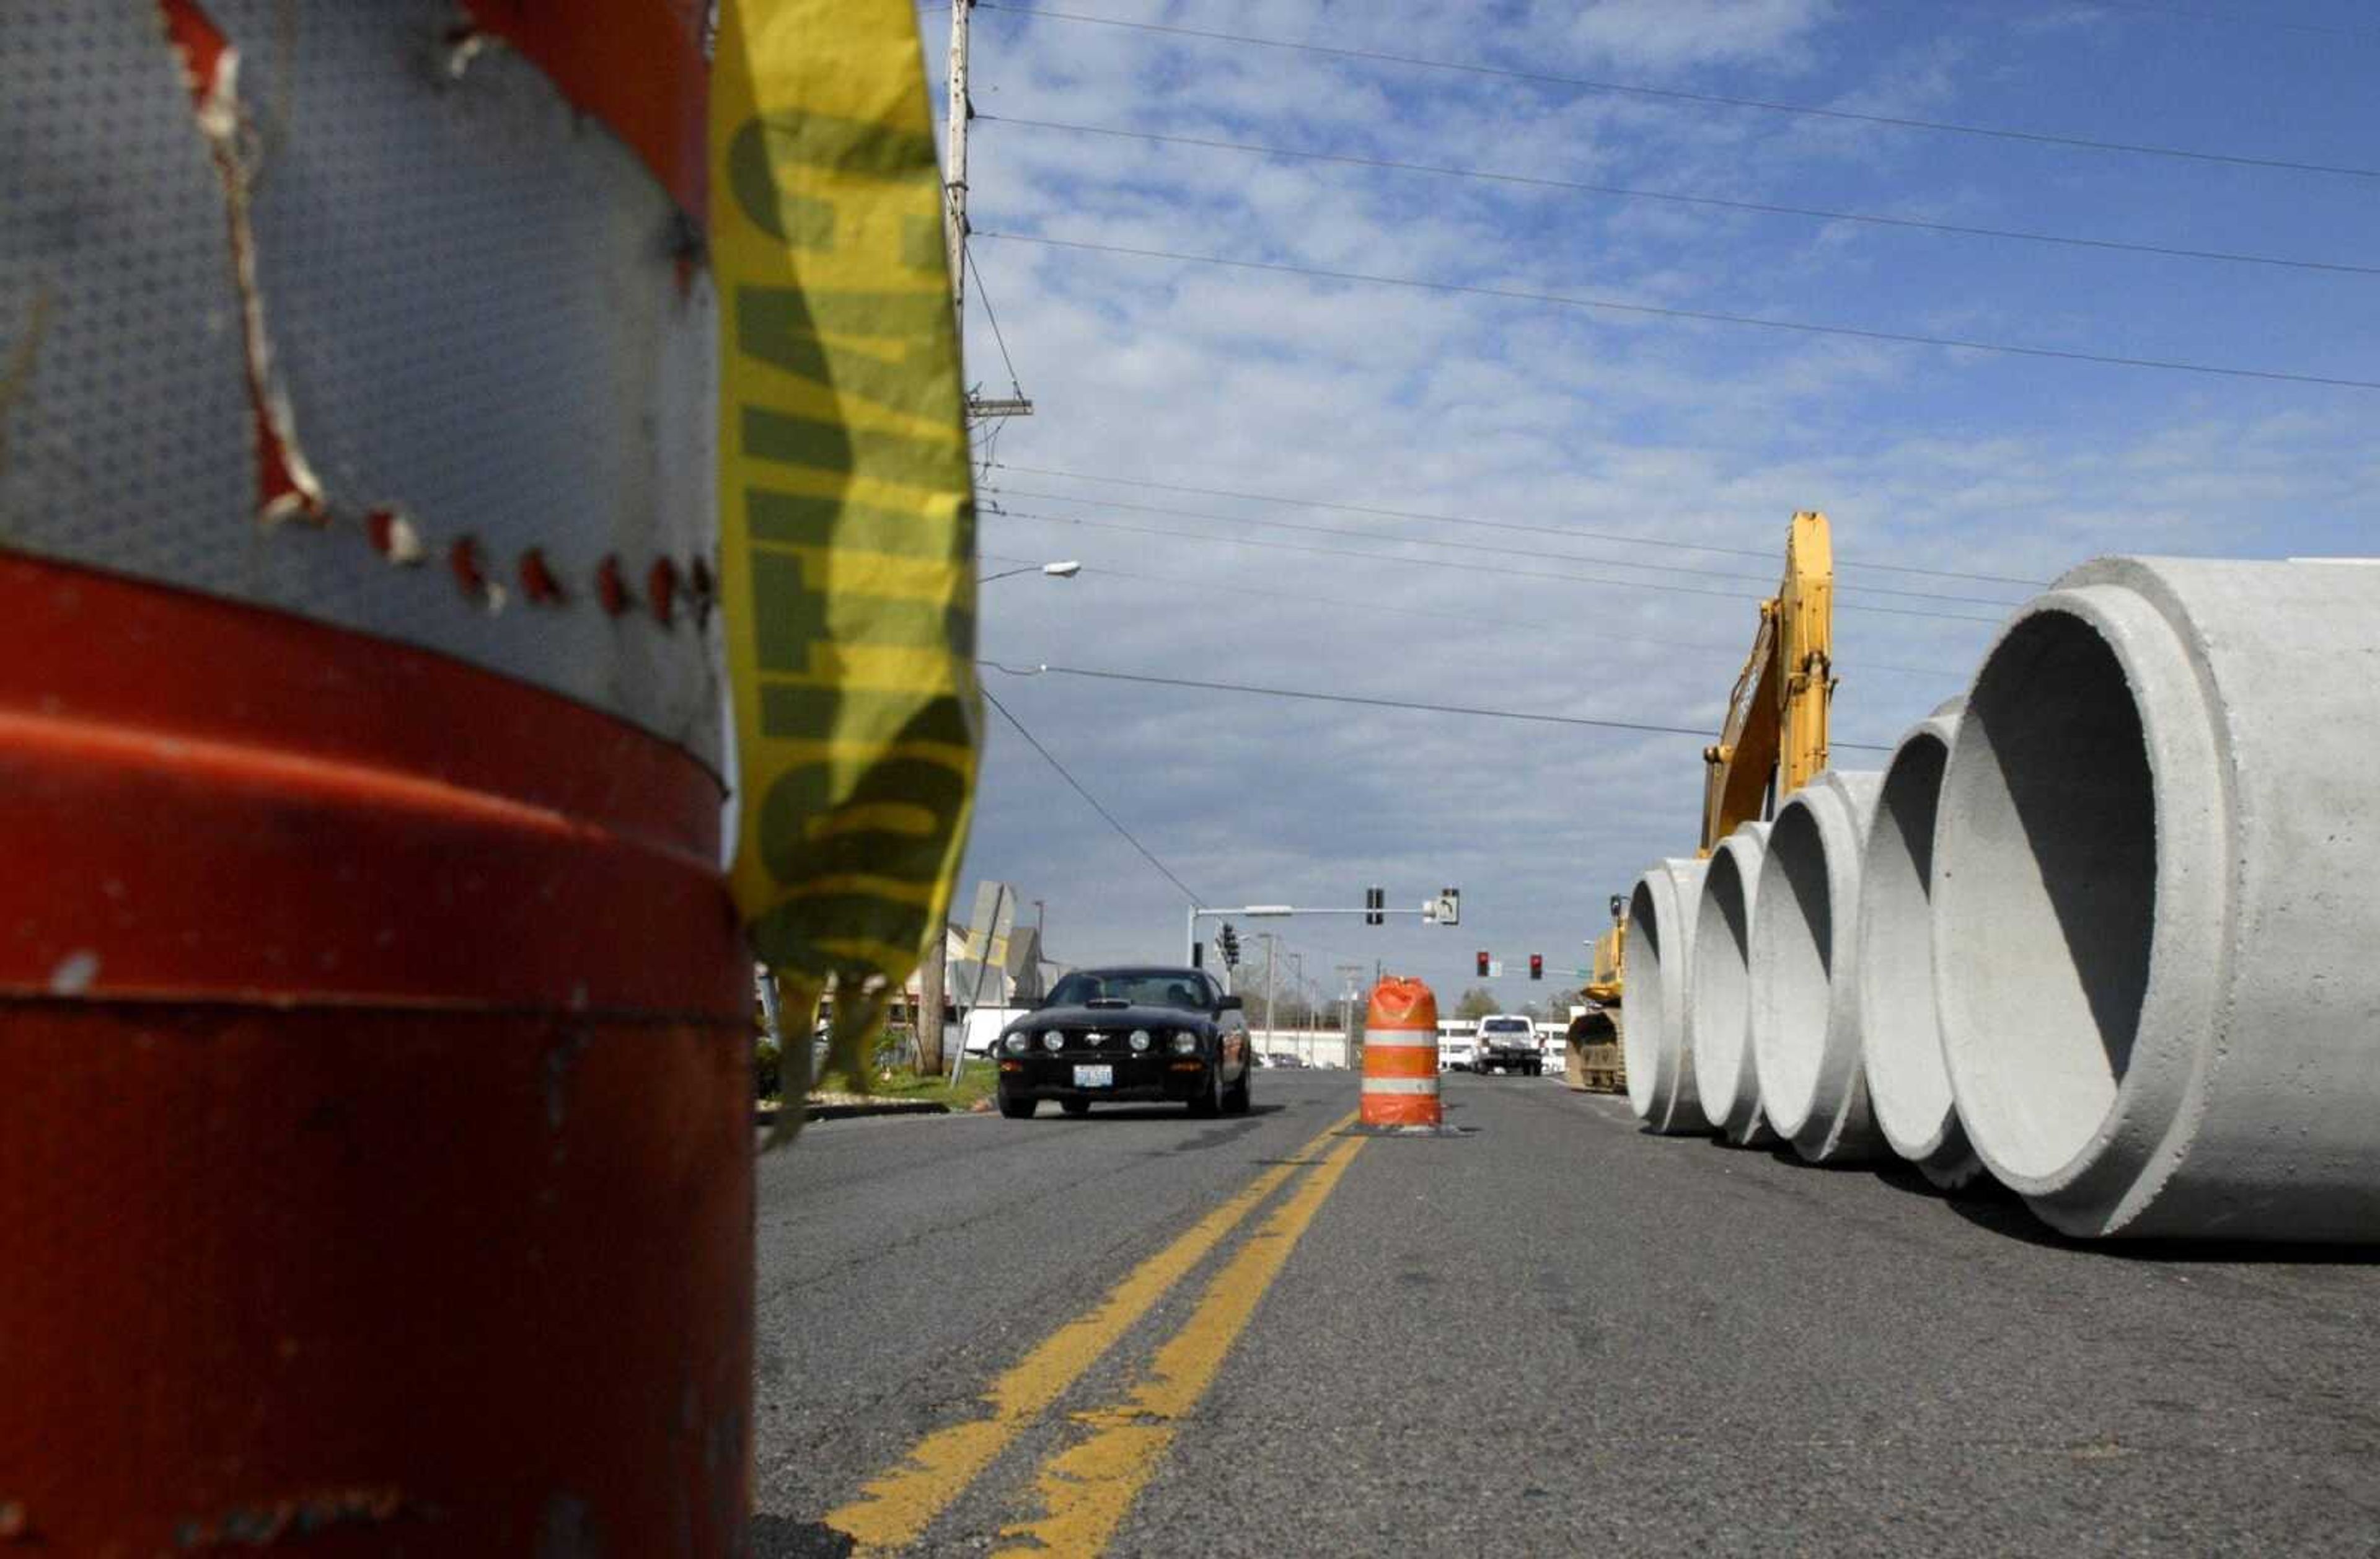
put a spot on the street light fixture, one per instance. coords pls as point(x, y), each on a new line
point(1065, 569)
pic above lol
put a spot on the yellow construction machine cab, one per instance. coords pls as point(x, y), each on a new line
point(1611, 957)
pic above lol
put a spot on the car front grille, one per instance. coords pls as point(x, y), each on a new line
point(1108, 1044)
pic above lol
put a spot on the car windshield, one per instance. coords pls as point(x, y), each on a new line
point(1146, 988)
point(1506, 1026)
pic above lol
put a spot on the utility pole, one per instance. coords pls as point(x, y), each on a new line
point(932, 973)
point(960, 109)
point(927, 1021)
point(954, 153)
point(1269, 942)
point(1348, 974)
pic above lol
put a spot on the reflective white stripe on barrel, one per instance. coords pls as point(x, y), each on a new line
point(1399, 1085)
point(1415, 1038)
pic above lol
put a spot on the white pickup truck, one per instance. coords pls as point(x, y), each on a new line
point(1508, 1044)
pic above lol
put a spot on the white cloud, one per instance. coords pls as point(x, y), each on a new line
point(1412, 400)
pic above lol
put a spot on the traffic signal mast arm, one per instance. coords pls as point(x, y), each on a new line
point(1444, 909)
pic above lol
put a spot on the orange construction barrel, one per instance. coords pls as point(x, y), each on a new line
point(375, 1037)
point(375, 1032)
point(1401, 1054)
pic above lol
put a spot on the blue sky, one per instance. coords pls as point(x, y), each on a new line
point(1543, 416)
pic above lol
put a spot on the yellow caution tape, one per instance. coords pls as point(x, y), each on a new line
point(847, 519)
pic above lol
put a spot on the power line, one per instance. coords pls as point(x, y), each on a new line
point(1732, 651)
point(2234, 18)
point(1411, 705)
point(1626, 192)
point(983, 444)
point(1052, 758)
point(1495, 524)
point(1463, 567)
point(1706, 316)
point(987, 446)
point(1484, 547)
point(1584, 83)
point(983, 295)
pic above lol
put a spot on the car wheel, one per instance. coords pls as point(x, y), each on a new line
point(1235, 1102)
point(1018, 1109)
point(1077, 1107)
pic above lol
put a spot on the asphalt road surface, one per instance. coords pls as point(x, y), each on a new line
point(1143, 1333)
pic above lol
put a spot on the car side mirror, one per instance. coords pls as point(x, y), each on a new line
point(1229, 1004)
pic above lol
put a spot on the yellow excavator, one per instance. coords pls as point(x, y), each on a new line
point(1773, 741)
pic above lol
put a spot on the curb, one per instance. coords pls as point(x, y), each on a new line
point(846, 1111)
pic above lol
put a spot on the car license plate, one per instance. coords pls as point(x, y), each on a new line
point(1095, 1076)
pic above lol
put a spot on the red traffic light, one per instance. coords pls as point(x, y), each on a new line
point(1483, 966)
point(1537, 966)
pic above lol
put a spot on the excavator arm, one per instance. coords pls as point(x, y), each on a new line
point(1738, 767)
point(1776, 727)
point(1773, 741)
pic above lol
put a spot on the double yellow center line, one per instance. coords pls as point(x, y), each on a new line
point(1088, 1489)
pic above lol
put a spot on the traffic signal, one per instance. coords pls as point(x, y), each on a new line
point(1197, 954)
point(1229, 939)
point(1483, 966)
point(1537, 966)
point(1375, 901)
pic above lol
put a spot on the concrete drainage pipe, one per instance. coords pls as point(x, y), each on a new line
point(1901, 1043)
point(1805, 1026)
point(1720, 1000)
point(2154, 927)
point(1654, 1014)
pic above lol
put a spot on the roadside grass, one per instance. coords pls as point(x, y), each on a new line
point(976, 1083)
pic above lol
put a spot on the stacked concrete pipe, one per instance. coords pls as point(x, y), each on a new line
point(1806, 1021)
point(1656, 1012)
point(1901, 1040)
point(2155, 923)
point(1719, 1003)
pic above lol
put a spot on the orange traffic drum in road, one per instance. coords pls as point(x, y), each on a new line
point(375, 1028)
point(1401, 1054)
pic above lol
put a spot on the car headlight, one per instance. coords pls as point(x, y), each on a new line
point(1053, 1040)
point(1140, 1039)
point(1017, 1044)
point(1185, 1043)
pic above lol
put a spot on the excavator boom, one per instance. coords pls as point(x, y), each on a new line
point(1773, 741)
point(1776, 731)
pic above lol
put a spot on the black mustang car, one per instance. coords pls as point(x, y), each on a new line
point(1128, 1034)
